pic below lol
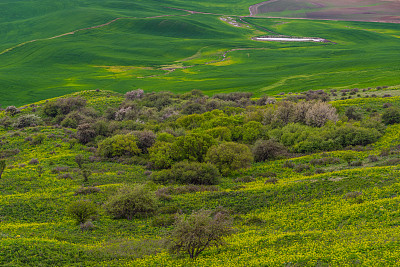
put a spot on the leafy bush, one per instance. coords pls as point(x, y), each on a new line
point(320, 113)
point(119, 145)
point(145, 139)
point(189, 173)
point(391, 115)
point(194, 233)
point(38, 139)
point(135, 94)
point(81, 210)
point(194, 146)
point(349, 135)
point(28, 120)
point(230, 156)
point(33, 162)
point(12, 110)
point(130, 202)
point(85, 133)
point(268, 149)
point(2, 166)
point(63, 106)
point(162, 155)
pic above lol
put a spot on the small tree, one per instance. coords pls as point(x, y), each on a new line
point(81, 210)
point(40, 170)
point(193, 234)
point(86, 174)
point(2, 166)
point(80, 159)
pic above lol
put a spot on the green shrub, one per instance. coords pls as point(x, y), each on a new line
point(349, 135)
point(230, 156)
point(268, 149)
point(391, 115)
point(81, 210)
point(195, 233)
point(194, 146)
point(119, 145)
point(63, 106)
point(130, 202)
point(28, 120)
point(220, 133)
point(2, 166)
point(162, 155)
point(38, 139)
point(189, 173)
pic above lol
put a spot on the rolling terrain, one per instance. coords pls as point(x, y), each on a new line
point(68, 46)
point(312, 209)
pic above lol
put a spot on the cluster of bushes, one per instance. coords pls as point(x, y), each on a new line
point(193, 138)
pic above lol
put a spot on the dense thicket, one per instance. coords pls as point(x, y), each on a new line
point(196, 137)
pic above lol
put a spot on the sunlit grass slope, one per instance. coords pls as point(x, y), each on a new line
point(306, 219)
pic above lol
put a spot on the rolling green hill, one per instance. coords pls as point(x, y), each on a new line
point(181, 52)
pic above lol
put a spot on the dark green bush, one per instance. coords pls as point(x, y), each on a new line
point(268, 149)
point(130, 202)
point(188, 173)
point(391, 115)
point(230, 156)
point(352, 136)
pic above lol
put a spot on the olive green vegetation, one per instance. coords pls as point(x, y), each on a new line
point(327, 195)
point(184, 51)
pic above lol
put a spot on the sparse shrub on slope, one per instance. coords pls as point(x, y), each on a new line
point(2, 166)
point(135, 94)
point(130, 202)
point(194, 233)
point(81, 210)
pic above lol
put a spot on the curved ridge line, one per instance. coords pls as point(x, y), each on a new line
point(83, 29)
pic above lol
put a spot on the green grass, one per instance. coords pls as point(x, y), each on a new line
point(131, 53)
point(304, 220)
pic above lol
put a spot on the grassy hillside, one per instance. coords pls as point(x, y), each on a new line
point(329, 213)
point(182, 52)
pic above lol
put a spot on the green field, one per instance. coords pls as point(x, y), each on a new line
point(137, 51)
